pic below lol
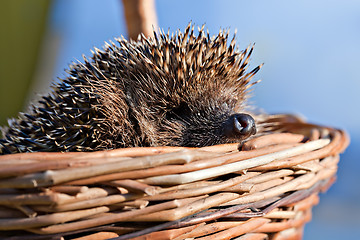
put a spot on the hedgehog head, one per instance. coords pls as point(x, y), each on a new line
point(180, 90)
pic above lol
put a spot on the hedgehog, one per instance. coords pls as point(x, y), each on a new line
point(187, 89)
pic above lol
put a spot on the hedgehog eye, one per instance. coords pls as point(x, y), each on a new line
point(239, 126)
point(180, 112)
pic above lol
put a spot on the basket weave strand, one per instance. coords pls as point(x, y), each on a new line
point(265, 191)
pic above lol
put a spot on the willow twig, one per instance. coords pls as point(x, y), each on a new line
point(115, 217)
point(102, 201)
point(140, 17)
point(267, 176)
point(46, 220)
point(252, 236)
point(235, 167)
point(208, 229)
point(248, 226)
point(50, 178)
point(166, 234)
point(135, 186)
point(201, 190)
point(189, 167)
point(188, 209)
point(274, 191)
point(272, 139)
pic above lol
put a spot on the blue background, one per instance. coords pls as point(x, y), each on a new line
point(311, 53)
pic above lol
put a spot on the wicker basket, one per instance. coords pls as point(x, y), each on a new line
point(265, 191)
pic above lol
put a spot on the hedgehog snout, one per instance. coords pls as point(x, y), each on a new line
point(239, 126)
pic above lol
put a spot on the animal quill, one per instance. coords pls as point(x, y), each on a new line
point(186, 89)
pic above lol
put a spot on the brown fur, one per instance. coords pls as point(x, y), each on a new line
point(170, 90)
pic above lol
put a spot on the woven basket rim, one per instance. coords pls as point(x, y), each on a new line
point(185, 188)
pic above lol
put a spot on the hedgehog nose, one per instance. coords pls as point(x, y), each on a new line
point(240, 126)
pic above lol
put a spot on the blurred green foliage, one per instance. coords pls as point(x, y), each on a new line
point(23, 25)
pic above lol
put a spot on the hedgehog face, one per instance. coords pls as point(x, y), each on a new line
point(207, 126)
point(202, 132)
